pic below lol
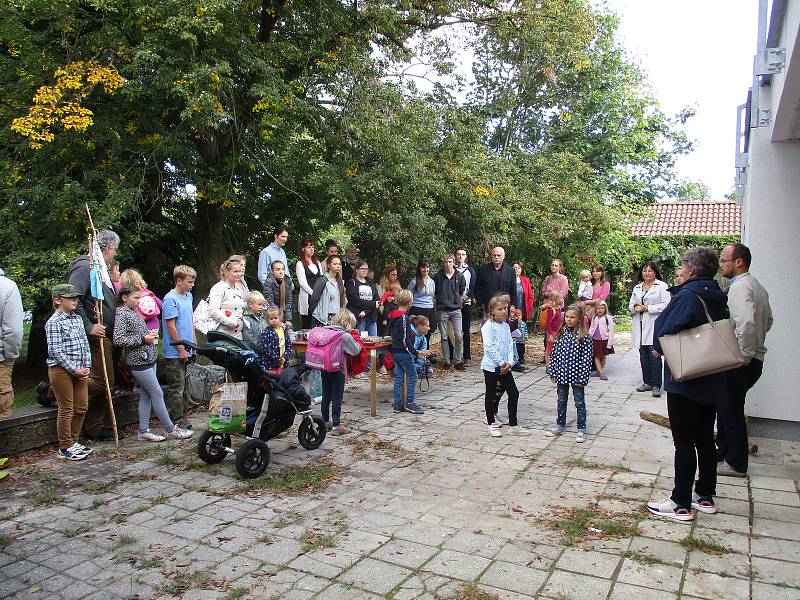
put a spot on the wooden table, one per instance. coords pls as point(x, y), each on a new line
point(375, 349)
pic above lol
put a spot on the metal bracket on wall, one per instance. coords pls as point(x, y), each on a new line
point(776, 60)
point(764, 117)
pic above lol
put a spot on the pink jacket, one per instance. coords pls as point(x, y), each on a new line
point(606, 326)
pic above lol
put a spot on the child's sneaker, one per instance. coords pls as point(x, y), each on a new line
point(669, 510)
point(340, 430)
point(705, 505)
point(581, 437)
point(554, 430)
point(517, 430)
point(398, 408)
point(179, 434)
point(71, 455)
point(149, 436)
point(414, 409)
point(328, 425)
point(80, 449)
point(494, 430)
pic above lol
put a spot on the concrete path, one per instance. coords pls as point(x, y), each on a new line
point(408, 507)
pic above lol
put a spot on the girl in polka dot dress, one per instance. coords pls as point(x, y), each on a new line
point(570, 364)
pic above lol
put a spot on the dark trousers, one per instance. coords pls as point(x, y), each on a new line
point(732, 444)
point(466, 320)
point(492, 399)
point(307, 322)
point(652, 368)
point(98, 416)
point(692, 426)
point(521, 353)
point(332, 394)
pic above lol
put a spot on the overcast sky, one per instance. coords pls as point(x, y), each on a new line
point(700, 53)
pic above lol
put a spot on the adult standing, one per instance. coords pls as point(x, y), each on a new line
point(556, 281)
point(349, 263)
point(424, 291)
point(275, 251)
point(228, 298)
point(648, 299)
point(10, 339)
point(523, 292)
point(97, 423)
point(468, 273)
point(450, 287)
point(363, 299)
point(494, 278)
point(692, 405)
point(308, 271)
point(601, 288)
point(751, 314)
point(329, 295)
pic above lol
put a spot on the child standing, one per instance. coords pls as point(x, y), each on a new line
point(519, 333)
point(278, 291)
point(140, 344)
point(553, 320)
point(602, 333)
point(585, 286)
point(254, 323)
point(569, 366)
point(177, 324)
point(150, 305)
point(421, 326)
point(498, 358)
point(275, 345)
point(68, 362)
point(333, 382)
point(404, 353)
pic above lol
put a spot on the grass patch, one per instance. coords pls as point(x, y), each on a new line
point(310, 478)
point(370, 445)
point(99, 487)
point(48, 496)
point(148, 563)
point(71, 532)
point(580, 524)
point(691, 542)
point(265, 539)
point(288, 518)
point(165, 459)
point(645, 559)
point(585, 464)
point(314, 539)
point(124, 540)
point(183, 582)
point(239, 592)
point(5, 540)
point(158, 499)
point(472, 592)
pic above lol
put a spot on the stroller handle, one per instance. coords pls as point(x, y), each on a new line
point(186, 343)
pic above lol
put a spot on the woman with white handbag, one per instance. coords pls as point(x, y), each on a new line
point(650, 296)
point(692, 403)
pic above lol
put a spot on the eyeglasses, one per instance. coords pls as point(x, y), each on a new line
point(724, 260)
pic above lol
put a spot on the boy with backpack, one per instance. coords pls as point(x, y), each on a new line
point(404, 353)
point(327, 347)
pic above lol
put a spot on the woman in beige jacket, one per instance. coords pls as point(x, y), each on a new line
point(228, 298)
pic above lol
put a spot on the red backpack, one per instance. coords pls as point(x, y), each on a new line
point(325, 350)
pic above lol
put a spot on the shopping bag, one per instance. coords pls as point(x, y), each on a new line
point(226, 411)
point(203, 322)
point(315, 389)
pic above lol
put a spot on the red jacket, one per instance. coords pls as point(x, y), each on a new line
point(357, 364)
point(527, 296)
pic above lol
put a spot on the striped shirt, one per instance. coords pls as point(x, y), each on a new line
point(67, 344)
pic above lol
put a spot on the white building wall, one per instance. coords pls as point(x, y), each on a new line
point(771, 228)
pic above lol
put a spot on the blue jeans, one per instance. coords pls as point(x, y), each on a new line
point(151, 396)
point(332, 393)
point(371, 327)
point(580, 404)
point(652, 368)
point(404, 367)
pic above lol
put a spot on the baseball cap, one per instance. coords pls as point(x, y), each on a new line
point(64, 290)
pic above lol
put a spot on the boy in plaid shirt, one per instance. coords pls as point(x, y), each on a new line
point(68, 361)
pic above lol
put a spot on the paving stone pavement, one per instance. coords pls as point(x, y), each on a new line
point(415, 507)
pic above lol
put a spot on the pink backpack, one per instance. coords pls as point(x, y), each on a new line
point(148, 307)
point(325, 349)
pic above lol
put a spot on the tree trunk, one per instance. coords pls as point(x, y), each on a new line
point(211, 249)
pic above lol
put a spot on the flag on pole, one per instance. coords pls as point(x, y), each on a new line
point(99, 272)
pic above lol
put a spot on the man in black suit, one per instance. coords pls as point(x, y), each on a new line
point(493, 278)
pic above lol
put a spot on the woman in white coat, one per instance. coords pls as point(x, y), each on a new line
point(649, 298)
point(228, 298)
point(308, 271)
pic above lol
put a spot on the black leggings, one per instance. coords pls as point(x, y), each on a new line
point(692, 426)
point(492, 398)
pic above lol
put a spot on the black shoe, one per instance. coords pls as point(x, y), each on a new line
point(460, 367)
point(518, 368)
point(398, 408)
point(184, 425)
point(446, 366)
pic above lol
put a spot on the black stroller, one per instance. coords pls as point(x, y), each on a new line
point(273, 402)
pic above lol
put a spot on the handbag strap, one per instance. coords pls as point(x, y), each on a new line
point(705, 310)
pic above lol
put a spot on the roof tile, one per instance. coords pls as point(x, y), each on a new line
point(691, 218)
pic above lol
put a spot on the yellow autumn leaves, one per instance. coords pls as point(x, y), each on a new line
point(60, 104)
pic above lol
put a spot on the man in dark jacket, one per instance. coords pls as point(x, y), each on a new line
point(494, 278)
point(97, 424)
point(468, 273)
point(450, 288)
point(692, 405)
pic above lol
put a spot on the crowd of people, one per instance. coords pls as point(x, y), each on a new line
point(342, 292)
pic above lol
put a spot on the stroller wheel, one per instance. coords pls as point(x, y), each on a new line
point(311, 432)
point(209, 446)
point(252, 458)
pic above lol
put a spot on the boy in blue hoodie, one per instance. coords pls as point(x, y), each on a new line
point(404, 353)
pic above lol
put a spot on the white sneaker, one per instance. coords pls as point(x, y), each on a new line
point(554, 431)
point(77, 448)
point(494, 430)
point(669, 510)
point(517, 430)
point(581, 437)
point(85, 449)
point(179, 434)
point(149, 436)
point(498, 420)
